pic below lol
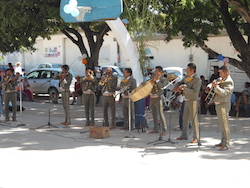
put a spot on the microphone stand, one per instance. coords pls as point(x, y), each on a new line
point(129, 117)
point(162, 141)
point(48, 124)
point(21, 106)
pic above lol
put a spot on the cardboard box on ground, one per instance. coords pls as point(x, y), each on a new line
point(99, 132)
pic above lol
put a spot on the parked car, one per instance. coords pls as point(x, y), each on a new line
point(178, 71)
point(47, 65)
point(122, 69)
point(42, 81)
point(116, 72)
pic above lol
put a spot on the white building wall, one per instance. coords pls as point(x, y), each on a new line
point(173, 53)
point(164, 54)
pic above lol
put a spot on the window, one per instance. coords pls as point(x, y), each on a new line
point(42, 66)
point(45, 74)
point(33, 75)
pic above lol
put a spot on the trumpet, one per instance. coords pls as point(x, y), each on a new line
point(90, 75)
point(104, 79)
point(210, 96)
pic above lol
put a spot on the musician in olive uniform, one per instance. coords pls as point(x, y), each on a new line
point(65, 80)
point(223, 91)
point(89, 83)
point(190, 86)
point(159, 81)
point(9, 88)
point(108, 83)
point(130, 83)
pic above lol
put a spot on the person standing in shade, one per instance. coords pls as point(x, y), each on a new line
point(11, 67)
point(65, 80)
point(9, 88)
point(215, 75)
point(130, 83)
point(108, 83)
point(159, 81)
point(98, 75)
point(223, 92)
point(89, 83)
point(245, 100)
point(26, 89)
point(78, 89)
point(190, 86)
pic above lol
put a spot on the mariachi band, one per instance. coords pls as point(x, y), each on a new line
point(219, 91)
point(189, 86)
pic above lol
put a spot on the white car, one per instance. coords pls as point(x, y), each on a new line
point(42, 82)
point(178, 71)
point(47, 65)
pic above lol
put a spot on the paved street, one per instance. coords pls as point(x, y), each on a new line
point(51, 157)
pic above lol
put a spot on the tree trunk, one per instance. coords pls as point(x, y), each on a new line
point(240, 44)
point(95, 41)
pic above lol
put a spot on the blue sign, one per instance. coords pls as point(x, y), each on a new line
point(90, 10)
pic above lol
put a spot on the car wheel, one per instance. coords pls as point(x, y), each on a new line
point(53, 95)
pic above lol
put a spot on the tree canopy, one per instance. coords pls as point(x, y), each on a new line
point(196, 20)
point(21, 22)
point(144, 20)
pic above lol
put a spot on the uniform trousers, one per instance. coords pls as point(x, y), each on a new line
point(10, 97)
point(222, 111)
point(190, 114)
point(65, 100)
point(108, 101)
point(89, 104)
point(125, 111)
point(157, 109)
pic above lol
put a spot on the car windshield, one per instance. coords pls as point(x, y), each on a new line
point(119, 72)
point(177, 73)
point(56, 66)
point(33, 75)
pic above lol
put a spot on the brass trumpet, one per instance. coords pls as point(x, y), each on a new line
point(102, 82)
point(104, 79)
point(90, 75)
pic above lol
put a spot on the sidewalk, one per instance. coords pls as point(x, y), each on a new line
point(66, 157)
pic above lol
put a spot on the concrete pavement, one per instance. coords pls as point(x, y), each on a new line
point(66, 157)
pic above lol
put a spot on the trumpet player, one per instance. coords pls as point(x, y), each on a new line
point(89, 83)
point(190, 87)
point(129, 82)
point(159, 81)
point(223, 91)
point(9, 88)
point(65, 80)
point(108, 83)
